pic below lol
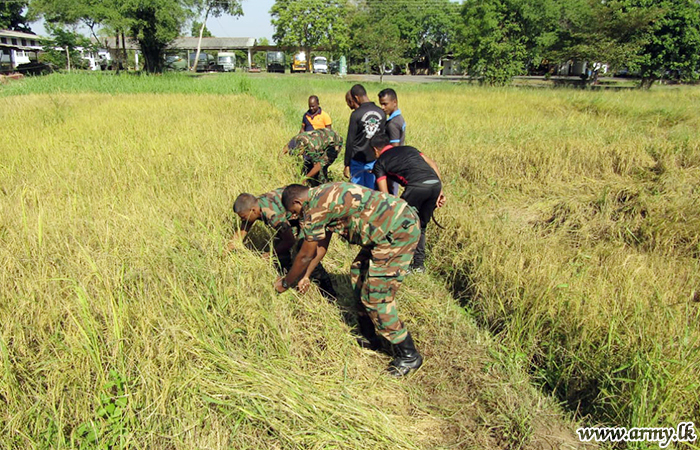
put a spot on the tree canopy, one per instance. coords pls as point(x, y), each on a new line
point(306, 24)
point(12, 17)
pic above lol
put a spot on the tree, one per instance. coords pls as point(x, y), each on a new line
point(671, 42)
point(11, 17)
point(91, 13)
point(68, 41)
point(307, 24)
point(215, 8)
point(426, 27)
point(376, 41)
point(196, 27)
point(154, 24)
point(491, 40)
point(260, 58)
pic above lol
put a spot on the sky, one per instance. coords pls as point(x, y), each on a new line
point(255, 22)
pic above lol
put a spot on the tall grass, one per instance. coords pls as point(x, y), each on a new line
point(124, 326)
point(573, 233)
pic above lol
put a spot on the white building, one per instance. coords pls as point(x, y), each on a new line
point(16, 47)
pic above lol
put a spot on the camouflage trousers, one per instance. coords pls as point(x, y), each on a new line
point(377, 273)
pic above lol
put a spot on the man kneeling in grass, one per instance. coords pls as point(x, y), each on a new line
point(269, 209)
point(319, 148)
point(387, 229)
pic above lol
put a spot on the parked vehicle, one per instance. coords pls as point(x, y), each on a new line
point(299, 62)
point(206, 62)
point(226, 62)
point(320, 64)
point(175, 62)
point(275, 62)
point(334, 67)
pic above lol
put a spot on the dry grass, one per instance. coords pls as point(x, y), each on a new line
point(124, 325)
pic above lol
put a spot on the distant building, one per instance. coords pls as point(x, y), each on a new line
point(16, 48)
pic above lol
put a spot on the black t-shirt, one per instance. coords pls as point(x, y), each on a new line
point(404, 164)
point(365, 122)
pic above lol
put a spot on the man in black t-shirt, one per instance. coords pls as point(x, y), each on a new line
point(421, 179)
point(366, 120)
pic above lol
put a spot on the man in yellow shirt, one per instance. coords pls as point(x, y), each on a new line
point(315, 118)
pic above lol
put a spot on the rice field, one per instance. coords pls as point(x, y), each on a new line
point(568, 270)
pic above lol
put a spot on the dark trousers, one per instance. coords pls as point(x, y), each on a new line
point(320, 178)
point(424, 198)
point(319, 275)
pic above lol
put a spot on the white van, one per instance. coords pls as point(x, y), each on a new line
point(227, 61)
point(320, 64)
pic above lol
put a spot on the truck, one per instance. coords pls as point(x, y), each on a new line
point(299, 62)
point(275, 61)
point(226, 62)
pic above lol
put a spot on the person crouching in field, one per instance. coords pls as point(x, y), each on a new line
point(420, 177)
point(315, 118)
point(268, 208)
point(319, 148)
point(387, 230)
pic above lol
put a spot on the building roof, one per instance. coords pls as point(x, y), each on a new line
point(190, 43)
point(17, 40)
point(20, 35)
point(214, 43)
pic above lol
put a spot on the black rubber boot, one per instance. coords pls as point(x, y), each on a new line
point(369, 340)
point(406, 358)
point(326, 286)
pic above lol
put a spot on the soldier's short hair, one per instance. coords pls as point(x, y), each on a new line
point(379, 140)
point(358, 91)
point(388, 92)
point(244, 202)
point(291, 193)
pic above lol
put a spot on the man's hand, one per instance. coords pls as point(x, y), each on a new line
point(441, 200)
point(233, 245)
point(346, 172)
point(303, 285)
point(278, 285)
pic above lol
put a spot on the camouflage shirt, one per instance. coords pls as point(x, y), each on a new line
point(318, 146)
point(361, 216)
point(273, 213)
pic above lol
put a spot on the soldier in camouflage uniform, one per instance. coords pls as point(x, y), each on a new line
point(387, 229)
point(268, 208)
point(319, 149)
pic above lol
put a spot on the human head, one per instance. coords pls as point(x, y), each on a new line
point(359, 94)
point(379, 142)
point(350, 101)
point(388, 101)
point(247, 208)
point(293, 198)
point(313, 104)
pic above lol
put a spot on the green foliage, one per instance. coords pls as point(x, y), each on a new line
point(196, 26)
point(376, 42)
point(491, 42)
point(67, 43)
point(12, 17)
point(91, 13)
point(426, 28)
point(154, 24)
point(304, 24)
point(111, 423)
point(671, 42)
